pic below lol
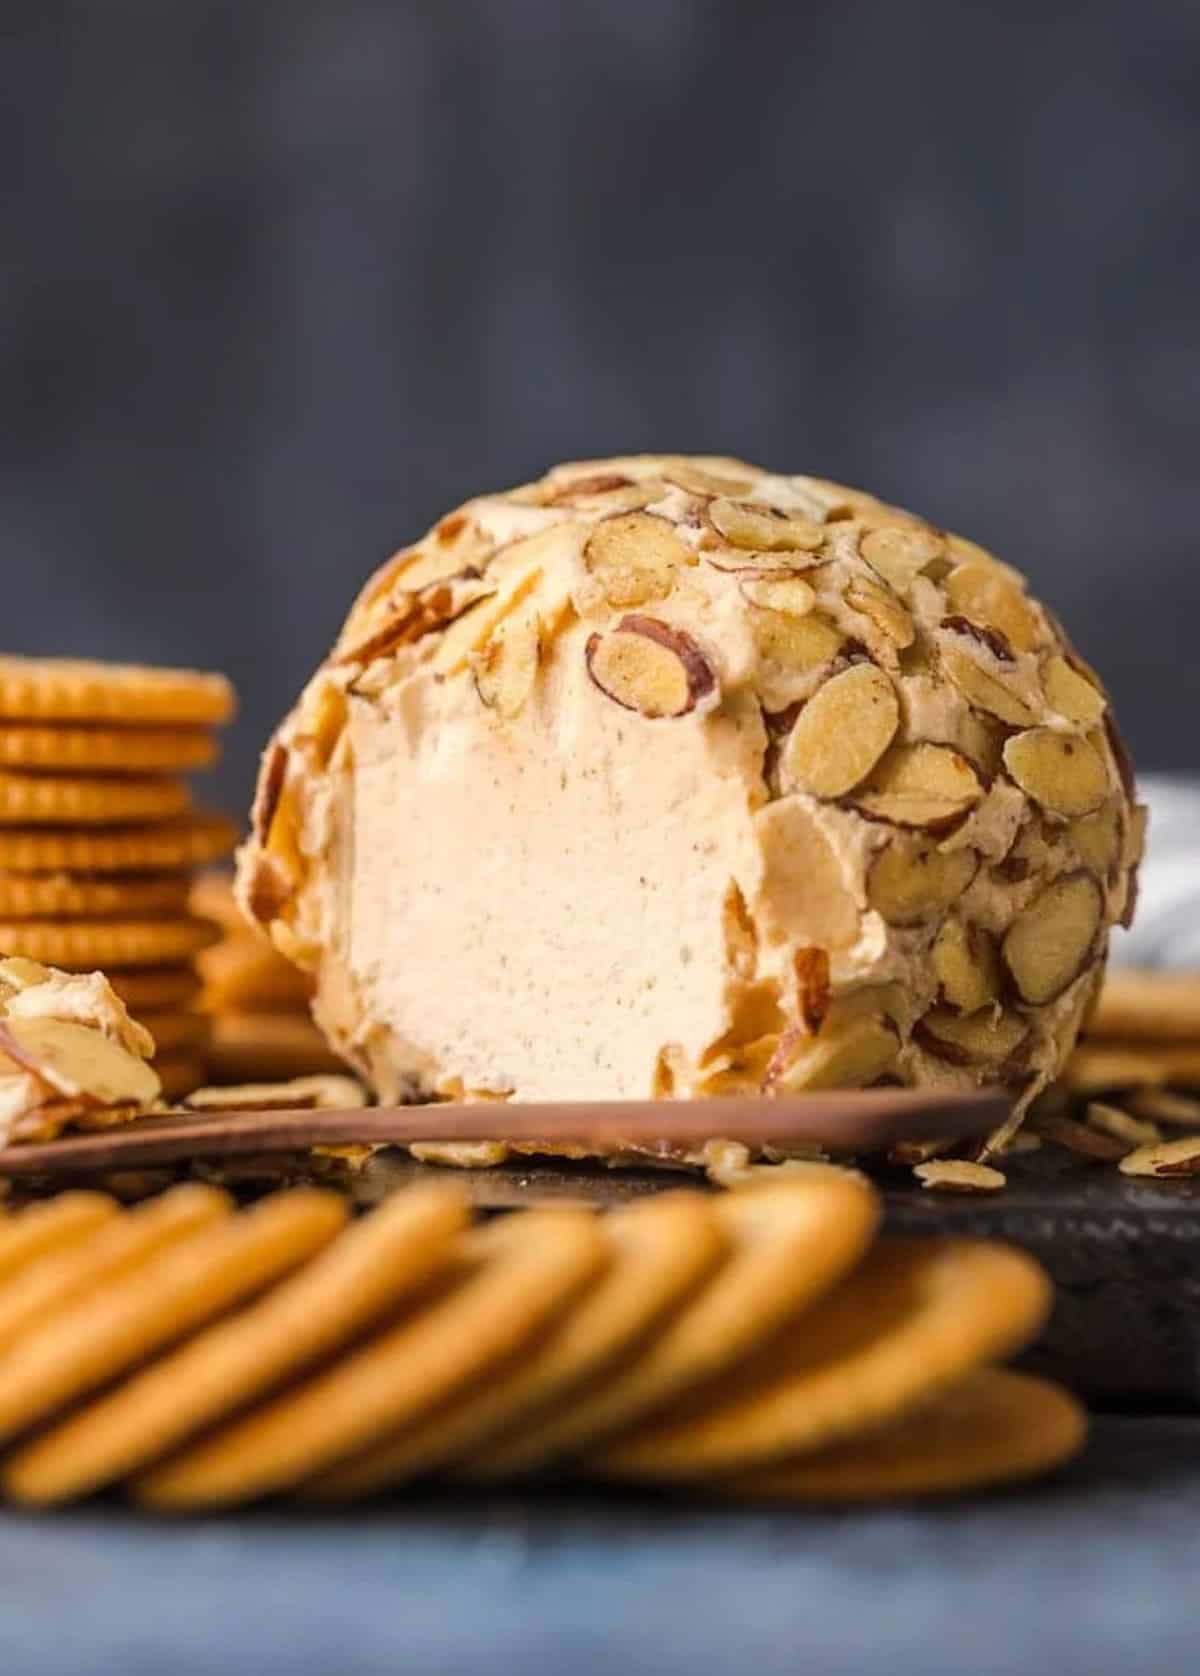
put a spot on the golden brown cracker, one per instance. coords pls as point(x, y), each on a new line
point(175, 1031)
point(107, 750)
point(514, 1276)
point(327, 1092)
point(103, 1335)
point(371, 1269)
point(1100, 1066)
point(73, 800)
point(789, 1242)
point(51, 1225)
point(118, 1247)
point(187, 841)
point(248, 974)
point(154, 988)
point(1140, 1005)
point(83, 896)
point(76, 689)
point(180, 1073)
point(662, 1247)
point(213, 898)
point(994, 1428)
point(916, 1316)
point(88, 945)
point(268, 1047)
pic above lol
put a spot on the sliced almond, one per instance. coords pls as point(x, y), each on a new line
point(1168, 1160)
point(985, 595)
point(959, 1175)
point(648, 666)
point(1060, 771)
point(699, 480)
point(900, 552)
point(753, 524)
point(79, 1062)
point(1049, 944)
point(470, 631)
point(750, 561)
point(921, 785)
point(983, 1038)
point(1111, 1120)
point(1070, 694)
point(1097, 839)
point(506, 666)
point(635, 558)
point(986, 690)
point(798, 645)
point(849, 1054)
point(963, 551)
point(842, 732)
point(881, 606)
point(909, 879)
point(967, 966)
point(790, 594)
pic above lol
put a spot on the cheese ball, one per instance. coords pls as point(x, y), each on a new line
point(672, 776)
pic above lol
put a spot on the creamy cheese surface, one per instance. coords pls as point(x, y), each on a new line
point(670, 776)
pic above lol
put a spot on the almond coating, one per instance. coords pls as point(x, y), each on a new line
point(602, 769)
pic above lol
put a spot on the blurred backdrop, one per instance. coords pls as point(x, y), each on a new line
point(285, 279)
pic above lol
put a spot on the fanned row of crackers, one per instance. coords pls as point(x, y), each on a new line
point(99, 835)
point(755, 1344)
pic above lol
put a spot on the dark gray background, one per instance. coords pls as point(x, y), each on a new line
point(282, 280)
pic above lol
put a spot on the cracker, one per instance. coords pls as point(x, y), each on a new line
point(1140, 1005)
point(51, 1225)
point(81, 896)
point(213, 898)
point(1100, 1067)
point(116, 1248)
point(72, 800)
point(322, 1093)
point(268, 1047)
point(187, 841)
point(88, 945)
point(916, 1317)
point(248, 974)
point(662, 1247)
point(993, 1428)
point(514, 1275)
point(1162, 1105)
point(108, 750)
point(175, 1031)
point(145, 989)
point(101, 1336)
point(789, 1243)
point(74, 689)
point(373, 1267)
point(180, 1073)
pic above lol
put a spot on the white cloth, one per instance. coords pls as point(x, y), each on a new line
point(1166, 928)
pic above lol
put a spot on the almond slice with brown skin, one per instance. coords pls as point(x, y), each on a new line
point(648, 666)
point(751, 561)
point(506, 666)
point(883, 609)
point(799, 645)
point(920, 785)
point(847, 1054)
point(909, 880)
point(967, 965)
point(975, 1039)
point(982, 593)
point(842, 732)
point(779, 593)
point(900, 553)
point(1060, 771)
point(1071, 694)
point(79, 1062)
point(1097, 839)
point(1050, 943)
point(751, 524)
point(698, 480)
point(986, 690)
point(635, 558)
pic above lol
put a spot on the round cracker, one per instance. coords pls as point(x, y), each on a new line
point(88, 945)
point(188, 841)
point(213, 898)
point(268, 1047)
point(790, 1241)
point(74, 800)
point(248, 974)
point(103, 1335)
point(175, 1031)
point(514, 1276)
point(51, 1225)
point(115, 1249)
point(370, 1269)
point(1137, 1005)
point(151, 988)
point(76, 689)
point(915, 1317)
point(80, 896)
point(994, 1428)
point(662, 1247)
point(108, 750)
point(180, 1073)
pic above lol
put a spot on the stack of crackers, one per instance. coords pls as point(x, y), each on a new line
point(258, 1002)
point(756, 1344)
point(98, 834)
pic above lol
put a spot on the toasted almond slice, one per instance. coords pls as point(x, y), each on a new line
point(1111, 1120)
point(899, 552)
point(698, 480)
point(920, 785)
point(910, 880)
point(963, 551)
point(743, 561)
point(1049, 944)
point(469, 632)
point(1062, 772)
point(791, 594)
point(1097, 839)
point(799, 645)
point(648, 666)
point(1167, 1160)
point(506, 665)
point(988, 691)
point(765, 528)
point(967, 965)
point(1079, 1138)
point(881, 606)
point(635, 558)
point(959, 1175)
point(983, 594)
point(974, 1039)
point(842, 732)
point(848, 1053)
point(1068, 692)
point(79, 1062)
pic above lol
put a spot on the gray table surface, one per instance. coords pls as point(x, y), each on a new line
point(1093, 1574)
